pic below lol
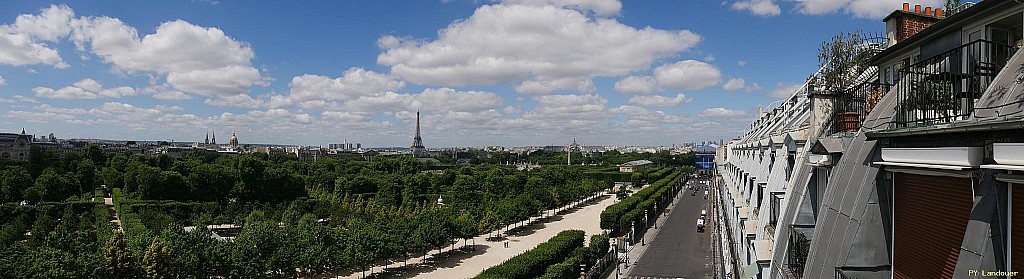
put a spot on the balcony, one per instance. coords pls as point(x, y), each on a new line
point(943, 89)
point(854, 104)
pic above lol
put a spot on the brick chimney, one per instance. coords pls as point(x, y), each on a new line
point(902, 24)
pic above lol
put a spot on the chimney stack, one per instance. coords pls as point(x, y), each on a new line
point(902, 24)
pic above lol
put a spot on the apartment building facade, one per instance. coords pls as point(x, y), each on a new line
point(914, 172)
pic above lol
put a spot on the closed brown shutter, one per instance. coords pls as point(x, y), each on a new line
point(1017, 231)
point(929, 219)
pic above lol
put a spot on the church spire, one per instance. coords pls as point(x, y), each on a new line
point(207, 137)
point(214, 140)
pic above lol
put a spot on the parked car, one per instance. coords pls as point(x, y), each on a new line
point(703, 214)
point(700, 225)
point(705, 194)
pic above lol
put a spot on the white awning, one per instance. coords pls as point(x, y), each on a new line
point(763, 250)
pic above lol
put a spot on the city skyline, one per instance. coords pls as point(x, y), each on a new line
point(482, 72)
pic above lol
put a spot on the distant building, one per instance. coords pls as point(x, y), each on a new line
point(705, 158)
point(15, 146)
point(634, 166)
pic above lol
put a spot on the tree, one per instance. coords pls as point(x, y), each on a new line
point(953, 4)
point(158, 262)
point(118, 258)
point(212, 182)
point(842, 59)
point(96, 154)
point(14, 181)
point(86, 171)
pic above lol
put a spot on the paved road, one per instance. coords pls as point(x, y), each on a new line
point(678, 250)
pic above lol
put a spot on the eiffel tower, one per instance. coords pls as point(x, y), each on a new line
point(417, 141)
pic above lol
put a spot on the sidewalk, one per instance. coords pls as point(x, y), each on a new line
point(482, 254)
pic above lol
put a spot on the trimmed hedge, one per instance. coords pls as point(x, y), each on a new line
point(587, 256)
point(104, 228)
point(534, 262)
point(612, 216)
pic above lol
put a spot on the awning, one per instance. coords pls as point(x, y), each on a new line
point(763, 250)
point(750, 271)
point(826, 146)
point(799, 136)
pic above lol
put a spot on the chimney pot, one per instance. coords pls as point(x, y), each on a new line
point(928, 10)
point(906, 6)
point(938, 12)
point(917, 9)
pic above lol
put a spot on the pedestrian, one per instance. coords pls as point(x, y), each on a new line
point(506, 243)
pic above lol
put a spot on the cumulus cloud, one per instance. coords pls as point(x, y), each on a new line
point(201, 60)
point(3, 81)
point(637, 85)
point(22, 43)
point(430, 99)
point(765, 8)
point(598, 7)
point(739, 83)
point(581, 85)
point(353, 83)
point(722, 113)
point(687, 75)
point(659, 101)
point(512, 43)
point(194, 59)
point(84, 89)
point(784, 90)
point(568, 107)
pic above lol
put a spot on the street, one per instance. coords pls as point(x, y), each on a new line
point(679, 250)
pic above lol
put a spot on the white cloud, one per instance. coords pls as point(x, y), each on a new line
point(430, 99)
point(735, 84)
point(637, 85)
point(355, 82)
point(741, 62)
point(784, 90)
point(201, 60)
point(875, 9)
point(641, 117)
point(20, 43)
point(581, 85)
point(68, 92)
point(37, 116)
point(48, 108)
point(722, 113)
point(659, 101)
point(569, 107)
point(739, 83)
point(84, 89)
point(765, 8)
point(3, 81)
point(599, 7)
point(88, 84)
point(687, 75)
point(512, 43)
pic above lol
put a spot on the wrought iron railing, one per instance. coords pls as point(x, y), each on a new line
point(854, 104)
point(943, 88)
point(799, 248)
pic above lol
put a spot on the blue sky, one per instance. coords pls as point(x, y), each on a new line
point(517, 72)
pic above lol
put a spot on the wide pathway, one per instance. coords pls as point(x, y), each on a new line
point(678, 250)
point(466, 263)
